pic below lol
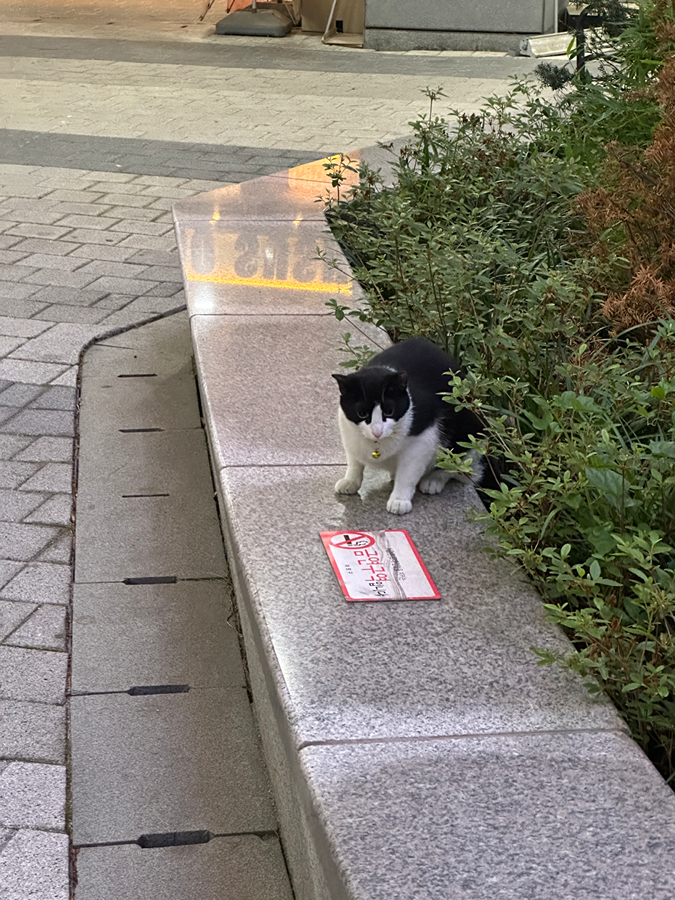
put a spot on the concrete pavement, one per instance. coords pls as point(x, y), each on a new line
point(101, 135)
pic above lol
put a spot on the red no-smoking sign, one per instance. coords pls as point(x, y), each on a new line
point(378, 565)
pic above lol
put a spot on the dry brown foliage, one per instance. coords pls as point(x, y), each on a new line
point(632, 220)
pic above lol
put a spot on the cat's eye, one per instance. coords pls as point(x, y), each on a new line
point(388, 413)
point(361, 415)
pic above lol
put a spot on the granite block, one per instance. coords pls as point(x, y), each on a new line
point(126, 635)
point(21, 327)
point(33, 796)
point(13, 474)
point(241, 867)
point(12, 444)
point(281, 258)
point(36, 676)
point(20, 394)
point(15, 505)
point(32, 731)
point(146, 764)
point(61, 344)
point(536, 816)
point(290, 196)
point(34, 864)
point(47, 449)
point(461, 665)
point(40, 582)
point(41, 422)
point(8, 570)
point(23, 542)
point(56, 511)
point(12, 615)
point(44, 630)
point(53, 477)
point(55, 398)
point(253, 423)
point(59, 550)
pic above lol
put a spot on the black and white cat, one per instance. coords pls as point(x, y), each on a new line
point(392, 417)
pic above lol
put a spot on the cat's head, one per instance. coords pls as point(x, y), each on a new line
point(375, 399)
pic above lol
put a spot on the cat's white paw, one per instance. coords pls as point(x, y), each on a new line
point(434, 482)
point(347, 486)
point(398, 507)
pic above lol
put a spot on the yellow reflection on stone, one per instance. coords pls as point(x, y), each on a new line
point(284, 258)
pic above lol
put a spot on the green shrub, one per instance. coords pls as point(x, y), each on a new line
point(482, 246)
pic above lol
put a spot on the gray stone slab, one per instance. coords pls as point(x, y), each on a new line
point(40, 582)
point(41, 422)
point(126, 635)
point(23, 542)
point(37, 676)
point(56, 511)
point(33, 796)
point(169, 762)
point(55, 398)
point(12, 474)
point(540, 817)
point(32, 731)
point(352, 671)
point(53, 477)
point(12, 444)
point(44, 630)
point(12, 615)
point(251, 421)
point(241, 867)
point(225, 269)
point(121, 537)
point(48, 449)
point(16, 505)
point(8, 570)
point(59, 550)
point(20, 394)
point(34, 864)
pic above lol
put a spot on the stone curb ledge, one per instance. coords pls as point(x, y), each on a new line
point(416, 749)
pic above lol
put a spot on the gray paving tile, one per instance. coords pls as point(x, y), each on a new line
point(148, 536)
point(104, 252)
point(46, 449)
point(8, 569)
point(36, 676)
point(55, 398)
point(16, 291)
point(20, 327)
point(11, 444)
point(41, 422)
point(41, 245)
point(29, 371)
point(62, 343)
point(463, 818)
point(84, 315)
point(33, 796)
point(245, 867)
point(59, 551)
point(15, 506)
point(12, 474)
point(126, 635)
point(44, 630)
point(40, 582)
point(69, 296)
point(176, 751)
point(12, 615)
point(32, 732)
point(54, 477)
point(394, 670)
point(20, 394)
point(56, 511)
point(56, 277)
point(34, 864)
point(116, 285)
point(7, 412)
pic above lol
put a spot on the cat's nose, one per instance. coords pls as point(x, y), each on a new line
point(377, 430)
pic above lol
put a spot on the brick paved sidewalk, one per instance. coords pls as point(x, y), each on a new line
point(95, 150)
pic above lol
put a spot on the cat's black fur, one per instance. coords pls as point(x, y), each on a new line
point(401, 386)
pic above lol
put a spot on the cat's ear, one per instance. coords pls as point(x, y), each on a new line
point(341, 380)
point(400, 380)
